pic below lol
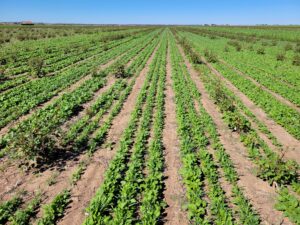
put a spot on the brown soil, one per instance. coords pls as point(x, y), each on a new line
point(110, 81)
point(71, 88)
point(290, 155)
point(261, 195)
point(94, 175)
point(15, 179)
point(225, 185)
point(275, 95)
point(52, 73)
point(290, 144)
point(174, 193)
point(284, 82)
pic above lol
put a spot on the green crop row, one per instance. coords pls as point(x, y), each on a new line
point(205, 127)
point(107, 196)
point(20, 100)
point(272, 167)
point(198, 165)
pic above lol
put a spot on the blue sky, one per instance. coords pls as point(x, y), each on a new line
point(153, 11)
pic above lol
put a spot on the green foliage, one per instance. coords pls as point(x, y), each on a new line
point(280, 57)
point(189, 50)
point(236, 122)
point(226, 48)
point(22, 216)
point(36, 64)
point(236, 45)
point(34, 145)
point(210, 56)
point(122, 182)
point(8, 208)
point(120, 72)
point(275, 169)
point(260, 51)
point(3, 61)
point(289, 204)
point(78, 172)
point(288, 47)
point(2, 74)
point(296, 60)
point(54, 210)
point(96, 73)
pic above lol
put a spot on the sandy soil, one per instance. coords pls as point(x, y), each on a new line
point(260, 193)
point(290, 144)
point(275, 95)
point(174, 193)
point(94, 175)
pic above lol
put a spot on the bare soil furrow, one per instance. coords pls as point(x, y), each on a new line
point(290, 144)
point(261, 195)
point(174, 193)
point(11, 173)
point(275, 95)
point(93, 177)
point(71, 88)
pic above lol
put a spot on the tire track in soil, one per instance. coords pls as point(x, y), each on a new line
point(274, 94)
point(289, 143)
point(261, 195)
point(174, 192)
point(86, 187)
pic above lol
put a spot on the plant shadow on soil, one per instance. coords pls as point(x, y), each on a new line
point(60, 156)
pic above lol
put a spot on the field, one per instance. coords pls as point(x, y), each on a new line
point(149, 124)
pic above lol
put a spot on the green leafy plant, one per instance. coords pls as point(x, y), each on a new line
point(296, 60)
point(8, 208)
point(55, 209)
point(261, 51)
point(36, 65)
point(280, 57)
point(120, 72)
point(22, 216)
point(210, 56)
point(289, 204)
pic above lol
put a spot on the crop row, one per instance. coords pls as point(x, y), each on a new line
point(198, 167)
point(273, 107)
point(20, 100)
point(78, 131)
point(55, 209)
point(61, 60)
point(264, 68)
point(62, 65)
point(113, 193)
point(271, 166)
point(38, 126)
point(56, 48)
